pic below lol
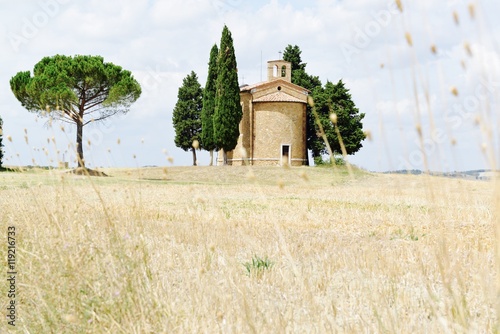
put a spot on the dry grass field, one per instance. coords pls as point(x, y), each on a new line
point(261, 250)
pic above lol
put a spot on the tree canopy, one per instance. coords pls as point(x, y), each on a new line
point(79, 90)
point(332, 98)
point(335, 99)
point(293, 55)
point(228, 112)
point(207, 112)
point(187, 114)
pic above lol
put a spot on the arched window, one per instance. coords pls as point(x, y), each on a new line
point(283, 71)
point(275, 71)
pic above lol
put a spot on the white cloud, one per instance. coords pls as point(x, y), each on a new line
point(162, 41)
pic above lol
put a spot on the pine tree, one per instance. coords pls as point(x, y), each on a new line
point(328, 99)
point(81, 90)
point(1, 145)
point(187, 114)
point(228, 112)
point(207, 113)
point(336, 99)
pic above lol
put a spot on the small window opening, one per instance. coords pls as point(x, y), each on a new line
point(283, 71)
point(275, 71)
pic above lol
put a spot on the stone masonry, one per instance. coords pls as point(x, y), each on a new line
point(273, 126)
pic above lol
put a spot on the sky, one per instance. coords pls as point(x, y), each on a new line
point(426, 75)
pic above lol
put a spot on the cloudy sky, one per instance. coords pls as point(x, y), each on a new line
point(444, 86)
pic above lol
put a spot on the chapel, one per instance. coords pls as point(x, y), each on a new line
point(273, 126)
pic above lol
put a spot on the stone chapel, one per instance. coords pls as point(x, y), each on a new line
point(273, 126)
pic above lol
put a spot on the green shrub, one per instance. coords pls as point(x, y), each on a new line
point(338, 160)
point(257, 265)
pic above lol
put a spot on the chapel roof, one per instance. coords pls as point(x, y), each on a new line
point(245, 88)
point(278, 97)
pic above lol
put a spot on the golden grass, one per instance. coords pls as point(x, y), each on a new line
point(155, 251)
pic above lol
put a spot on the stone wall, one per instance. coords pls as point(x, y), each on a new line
point(277, 124)
point(269, 123)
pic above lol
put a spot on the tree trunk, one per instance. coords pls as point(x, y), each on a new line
point(224, 155)
point(79, 143)
point(194, 156)
point(211, 157)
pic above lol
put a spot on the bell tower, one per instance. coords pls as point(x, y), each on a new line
point(279, 69)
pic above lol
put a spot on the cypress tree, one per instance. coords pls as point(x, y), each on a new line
point(207, 112)
point(228, 112)
point(187, 114)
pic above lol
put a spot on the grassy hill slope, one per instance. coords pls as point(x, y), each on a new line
point(225, 249)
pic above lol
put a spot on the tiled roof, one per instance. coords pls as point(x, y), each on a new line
point(278, 97)
point(245, 88)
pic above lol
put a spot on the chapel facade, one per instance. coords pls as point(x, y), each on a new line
point(273, 126)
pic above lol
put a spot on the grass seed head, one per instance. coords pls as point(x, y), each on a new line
point(333, 118)
point(455, 18)
point(400, 5)
point(409, 39)
point(220, 316)
point(310, 101)
point(472, 11)
point(468, 49)
point(418, 127)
